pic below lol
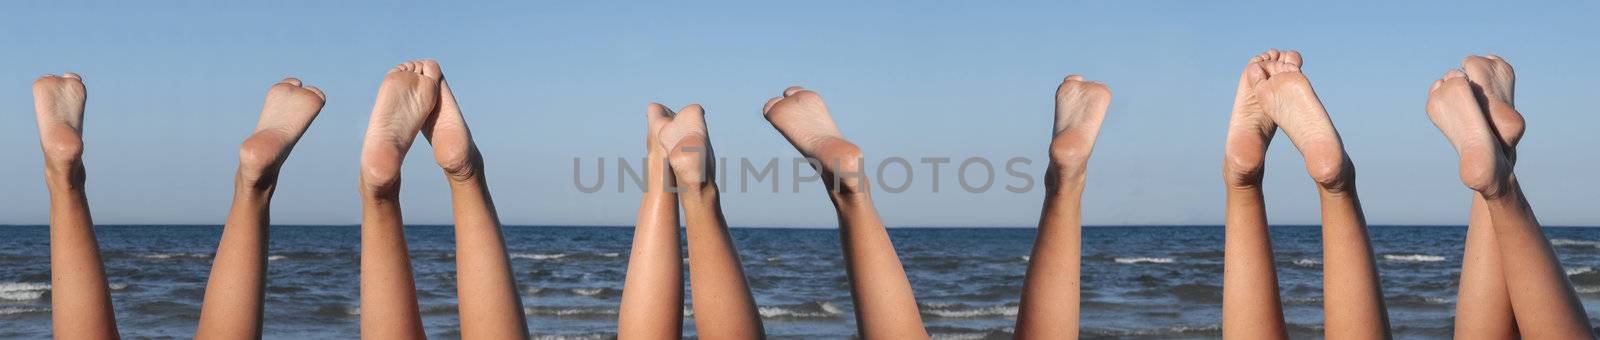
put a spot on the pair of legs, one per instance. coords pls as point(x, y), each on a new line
point(724, 309)
point(415, 97)
point(1273, 93)
point(232, 309)
point(680, 170)
point(1474, 108)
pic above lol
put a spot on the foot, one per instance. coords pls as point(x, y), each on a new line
point(1286, 95)
point(1250, 130)
point(688, 147)
point(406, 98)
point(1494, 84)
point(1455, 111)
point(58, 105)
point(289, 110)
point(452, 140)
point(803, 119)
point(1080, 109)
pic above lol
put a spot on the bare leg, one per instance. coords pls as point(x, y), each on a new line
point(1250, 305)
point(885, 305)
point(723, 307)
point(1050, 293)
point(1353, 299)
point(407, 96)
point(489, 305)
point(233, 301)
point(80, 301)
point(1542, 300)
point(652, 294)
point(1483, 307)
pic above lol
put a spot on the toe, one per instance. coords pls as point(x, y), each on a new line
point(767, 108)
point(290, 81)
point(1493, 57)
point(792, 90)
point(1436, 84)
point(1272, 54)
point(1072, 78)
point(1292, 57)
point(693, 110)
point(1454, 73)
point(430, 68)
point(71, 76)
point(317, 91)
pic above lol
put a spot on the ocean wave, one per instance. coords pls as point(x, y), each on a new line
point(23, 291)
point(1179, 330)
point(22, 310)
point(1574, 243)
point(575, 312)
point(598, 293)
point(1412, 258)
point(962, 311)
point(1583, 276)
point(571, 336)
point(166, 256)
point(1138, 260)
point(276, 257)
point(559, 256)
point(809, 310)
point(1309, 263)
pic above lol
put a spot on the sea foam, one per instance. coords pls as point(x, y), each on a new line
point(1413, 258)
point(1138, 260)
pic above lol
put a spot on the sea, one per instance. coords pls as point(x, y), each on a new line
point(1155, 282)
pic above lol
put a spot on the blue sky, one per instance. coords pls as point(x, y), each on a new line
point(174, 86)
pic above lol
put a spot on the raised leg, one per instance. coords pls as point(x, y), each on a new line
point(487, 292)
point(1250, 305)
point(1543, 301)
point(1352, 296)
point(1051, 290)
point(723, 306)
point(406, 98)
point(80, 301)
point(233, 300)
point(652, 294)
point(1483, 306)
point(885, 305)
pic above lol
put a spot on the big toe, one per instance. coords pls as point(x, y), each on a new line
point(70, 75)
point(430, 68)
point(790, 91)
point(317, 91)
point(291, 81)
point(1292, 57)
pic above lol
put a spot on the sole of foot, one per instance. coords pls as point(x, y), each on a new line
point(1494, 83)
point(802, 118)
point(408, 95)
point(58, 105)
point(1250, 130)
point(1455, 111)
point(1286, 96)
point(452, 142)
point(688, 146)
point(289, 109)
point(1080, 110)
